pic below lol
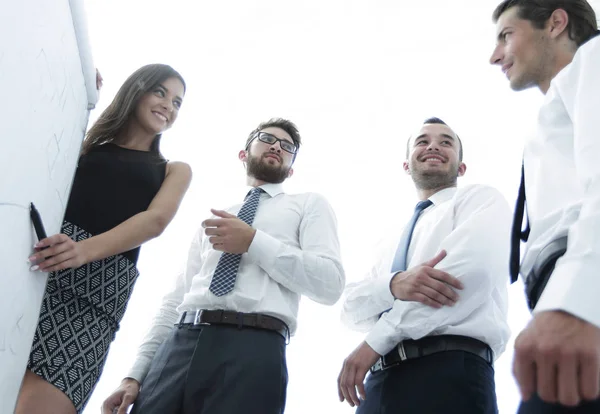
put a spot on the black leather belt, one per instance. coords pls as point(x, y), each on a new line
point(536, 280)
point(239, 319)
point(429, 345)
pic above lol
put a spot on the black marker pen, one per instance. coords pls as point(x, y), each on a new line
point(37, 222)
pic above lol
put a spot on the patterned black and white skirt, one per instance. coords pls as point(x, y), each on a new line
point(79, 318)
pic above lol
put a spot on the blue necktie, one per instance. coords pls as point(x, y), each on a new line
point(223, 279)
point(399, 264)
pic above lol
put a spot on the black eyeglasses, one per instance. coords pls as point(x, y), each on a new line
point(271, 139)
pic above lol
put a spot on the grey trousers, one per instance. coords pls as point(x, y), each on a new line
point(216, 369)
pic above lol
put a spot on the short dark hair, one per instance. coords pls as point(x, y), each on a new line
point(435, 120)
point(582, 24)
point(285, 124)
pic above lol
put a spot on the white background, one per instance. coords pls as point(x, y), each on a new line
point(357, 77)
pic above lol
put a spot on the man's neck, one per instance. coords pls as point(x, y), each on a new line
point(253, 182)
point(562, 60)
point(425, 194)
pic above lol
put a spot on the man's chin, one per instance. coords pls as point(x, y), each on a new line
point(434, 171)
point(270, 175)
point(267, 171)
point(519, 84)
point(430, 180)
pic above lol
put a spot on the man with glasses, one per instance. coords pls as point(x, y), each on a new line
point(218, 342)
point(435, 304)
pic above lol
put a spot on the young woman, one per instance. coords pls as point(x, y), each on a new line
point(124, 194)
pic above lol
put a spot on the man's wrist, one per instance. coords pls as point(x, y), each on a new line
point(252, 233)
point(391, 281)
point(129, 380)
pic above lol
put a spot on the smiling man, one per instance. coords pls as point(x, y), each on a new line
point(435, 304)
point(553, 45)
point(218, 343)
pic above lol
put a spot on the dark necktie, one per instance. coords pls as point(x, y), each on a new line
point(399, 264)
point(223, 279)
point(518, 234)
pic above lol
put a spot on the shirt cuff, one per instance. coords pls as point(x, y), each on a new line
point(264, 249)
point(573, 288)
point(382, 337)
point(139, 370)
point(382, 289)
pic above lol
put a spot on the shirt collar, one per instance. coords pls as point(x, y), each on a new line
point(272, 189)
point(443, 195)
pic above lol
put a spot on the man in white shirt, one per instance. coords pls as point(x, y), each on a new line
point(550, 44)
point(435, 305)
point(218, 342)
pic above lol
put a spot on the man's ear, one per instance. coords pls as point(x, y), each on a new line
point(557, 23)
point(290, 172)
point(243, 155)
point(406, 167)
point(462, 169)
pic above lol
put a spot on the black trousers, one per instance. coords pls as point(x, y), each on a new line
point(452, 382)
point(216, 369)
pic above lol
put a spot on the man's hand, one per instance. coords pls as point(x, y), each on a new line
point(228, 233)
point(426, 285)
point(558, 356)
point(122, 398)
point(353, 374)
point(99, 80)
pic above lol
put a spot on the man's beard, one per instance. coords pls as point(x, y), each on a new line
point(257, 168)
point(431, 180)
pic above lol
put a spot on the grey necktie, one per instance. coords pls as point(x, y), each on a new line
point(223, 279)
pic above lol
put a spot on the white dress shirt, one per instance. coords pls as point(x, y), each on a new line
point(562, 183)
point(295, 251)
point(473, 225)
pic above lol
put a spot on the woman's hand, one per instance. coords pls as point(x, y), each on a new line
point(58, 252)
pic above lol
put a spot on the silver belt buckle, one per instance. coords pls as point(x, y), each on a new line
point(379, 365)
point(198, 316)
point(401, 351)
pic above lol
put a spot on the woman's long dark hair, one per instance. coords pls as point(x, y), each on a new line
point(116, 116)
